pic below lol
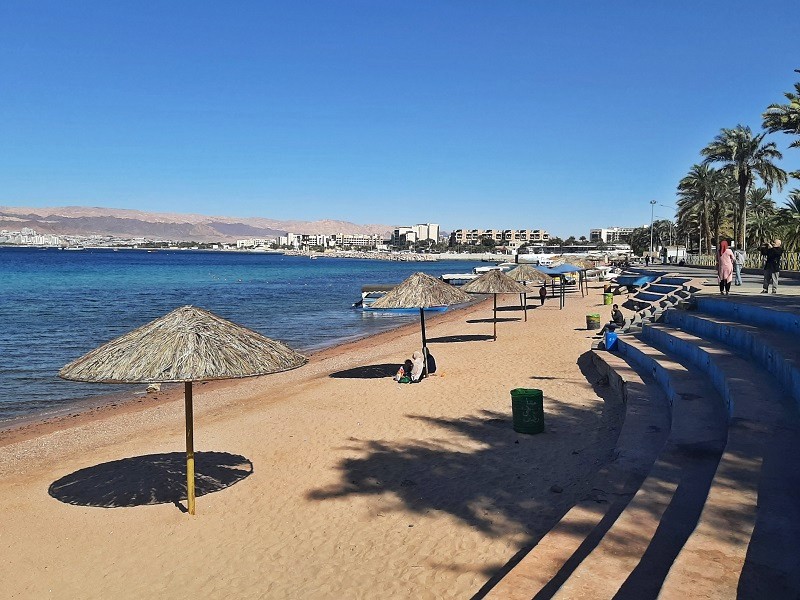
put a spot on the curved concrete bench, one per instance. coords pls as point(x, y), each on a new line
point(551, 561)
point(634, 556)
point(713, 558)
point(775, 350)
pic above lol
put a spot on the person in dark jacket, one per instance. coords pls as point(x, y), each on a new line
point(617, 320)
point(542, 294)
point(772, 265)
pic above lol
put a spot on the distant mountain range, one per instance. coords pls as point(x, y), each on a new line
point(83, 220)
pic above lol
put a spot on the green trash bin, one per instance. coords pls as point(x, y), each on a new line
point(608, 298)
point(528, 410)
point(593, 321)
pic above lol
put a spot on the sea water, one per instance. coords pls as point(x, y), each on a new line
point(56, 305)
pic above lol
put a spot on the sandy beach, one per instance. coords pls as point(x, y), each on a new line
point(329, 481)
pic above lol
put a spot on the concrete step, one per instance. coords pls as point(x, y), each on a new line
point(548, 564)
point(714, 558)
point(764, 310)
point(634, 556)
point(776, 350)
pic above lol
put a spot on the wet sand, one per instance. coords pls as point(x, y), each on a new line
point(329, 481)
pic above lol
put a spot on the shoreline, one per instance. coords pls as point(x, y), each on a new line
point(334, 481)
point(97, 408)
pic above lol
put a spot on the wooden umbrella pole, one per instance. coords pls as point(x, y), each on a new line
point(424, 343)
point(494, 320)
point(525, 305)
point(189, 447)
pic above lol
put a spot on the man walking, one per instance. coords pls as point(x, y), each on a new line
point(739, 256)
point(772, 265)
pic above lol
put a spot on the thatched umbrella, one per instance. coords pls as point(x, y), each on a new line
point(189, 344)
point(422, 291)
point(494, 282)
point(524, 273)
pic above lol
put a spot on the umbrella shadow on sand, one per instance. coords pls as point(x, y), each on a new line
point(497, 320)
point(149, 479)
point(467, 337)
point(368, 372)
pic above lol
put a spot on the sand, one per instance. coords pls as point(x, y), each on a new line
point(331, 481)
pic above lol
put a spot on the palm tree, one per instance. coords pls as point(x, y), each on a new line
point(694, 194)
point(790, 217)
point(722, 206)
point(759, 202)
point(745, 156)
point(785, 117)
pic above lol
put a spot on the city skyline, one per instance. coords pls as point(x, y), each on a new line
point(565, 117)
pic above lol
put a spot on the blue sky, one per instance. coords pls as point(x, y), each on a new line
point(556, 115)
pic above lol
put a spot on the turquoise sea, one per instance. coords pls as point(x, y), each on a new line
point(56, 305)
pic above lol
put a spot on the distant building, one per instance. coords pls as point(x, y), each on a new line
point(512, 238)
point(610, 235)
point(253, 243)
point(353, 240)
point(28, 237)
point(408, 235)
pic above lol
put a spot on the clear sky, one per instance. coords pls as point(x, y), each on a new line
point(557, 115)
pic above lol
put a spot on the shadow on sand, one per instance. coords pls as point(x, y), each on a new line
point(368, 372)
point(497, 320)
point(451, 339)
point(149, 479)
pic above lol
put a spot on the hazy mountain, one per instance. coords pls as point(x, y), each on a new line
point(84, 220)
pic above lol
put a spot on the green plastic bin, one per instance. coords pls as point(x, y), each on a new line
point(608, 298)
point(527, 409)
point(593, 321)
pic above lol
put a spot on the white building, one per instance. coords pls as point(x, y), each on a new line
point(407, 235)
point(511, 238)
point(29, 237)
point(610, 235)
point(253, 243)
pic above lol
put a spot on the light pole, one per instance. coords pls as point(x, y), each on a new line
point(652, 207)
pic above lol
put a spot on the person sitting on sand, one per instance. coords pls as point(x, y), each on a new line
point(417, 366)
point(403, 374)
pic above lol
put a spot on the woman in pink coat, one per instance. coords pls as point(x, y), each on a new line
point(725, 262)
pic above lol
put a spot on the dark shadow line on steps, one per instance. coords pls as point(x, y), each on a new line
point(676, 525)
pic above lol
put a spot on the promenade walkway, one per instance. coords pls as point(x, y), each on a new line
point(701, 499)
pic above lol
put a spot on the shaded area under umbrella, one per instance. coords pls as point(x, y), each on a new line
point(150, 479)
point(494, 282)
point(188, 344)
point(422, 291)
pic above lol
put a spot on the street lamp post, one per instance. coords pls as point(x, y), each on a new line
point(652, 208)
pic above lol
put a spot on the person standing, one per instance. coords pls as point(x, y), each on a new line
point(725, 262)
point(772, 265)
point(739, 258)
point(542, 293)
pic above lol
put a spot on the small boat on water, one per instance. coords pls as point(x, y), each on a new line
point(371, 293)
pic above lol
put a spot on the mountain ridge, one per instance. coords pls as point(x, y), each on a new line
point(124, 222)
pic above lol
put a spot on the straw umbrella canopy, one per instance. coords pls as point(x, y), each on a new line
point(188, 344)
point(494, 282)
point(422, 291)
point(522, 274)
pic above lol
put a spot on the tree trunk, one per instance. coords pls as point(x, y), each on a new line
point(705, 220)
point(743, 185)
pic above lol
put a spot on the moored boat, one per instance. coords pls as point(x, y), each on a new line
point(371, 293)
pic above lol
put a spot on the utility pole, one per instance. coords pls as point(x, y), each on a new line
point(652, 208)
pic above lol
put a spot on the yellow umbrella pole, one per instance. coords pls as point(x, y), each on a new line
point(189, 447)
point(494, 320)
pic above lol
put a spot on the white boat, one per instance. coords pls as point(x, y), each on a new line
point(458, 278)
point(482, 270)
point(371, 293)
